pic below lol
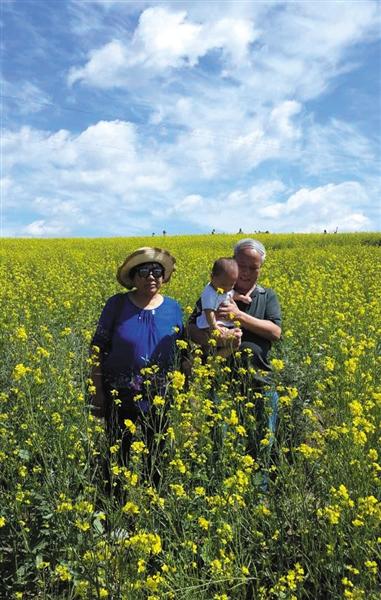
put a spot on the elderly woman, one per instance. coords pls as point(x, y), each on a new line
point(136, 330)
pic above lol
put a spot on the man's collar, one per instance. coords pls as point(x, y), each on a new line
point(258, 290)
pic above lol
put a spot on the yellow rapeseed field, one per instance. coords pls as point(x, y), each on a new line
point(209, 531)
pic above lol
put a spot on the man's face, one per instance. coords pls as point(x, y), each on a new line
point(249, 265)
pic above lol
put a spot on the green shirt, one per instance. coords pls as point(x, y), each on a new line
point(264, 305)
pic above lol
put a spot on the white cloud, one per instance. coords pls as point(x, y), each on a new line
point(229, 126)
point(110, 178)
point(106, 153)
point(300, 47)
point(105, 67)
point(219, 92)
point(340, 205)
point(101, 177)
point(41, 228)
point(337, 147)
point(266, 207)
point(280, 118)
point(163, 40)
point(23, 98)
point(189, 203)
point(229, 211)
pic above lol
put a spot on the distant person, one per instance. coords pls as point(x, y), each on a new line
point(164, 233)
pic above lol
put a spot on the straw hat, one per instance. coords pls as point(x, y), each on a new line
point(144, 255)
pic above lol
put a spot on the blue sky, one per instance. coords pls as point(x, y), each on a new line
point(126, 118)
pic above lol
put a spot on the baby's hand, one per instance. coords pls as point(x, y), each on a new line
point(246, 299)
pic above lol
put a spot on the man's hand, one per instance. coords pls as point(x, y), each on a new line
point(228, 311)
point(245, 298)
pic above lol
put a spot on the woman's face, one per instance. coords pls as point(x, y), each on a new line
point(148, 277)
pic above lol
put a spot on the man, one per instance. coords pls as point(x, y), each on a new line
point(259, 317)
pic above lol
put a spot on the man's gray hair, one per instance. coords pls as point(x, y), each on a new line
point(253, 245)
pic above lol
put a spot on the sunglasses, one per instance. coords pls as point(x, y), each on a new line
point(146, 270)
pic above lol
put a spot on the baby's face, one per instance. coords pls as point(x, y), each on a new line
point(225, 281)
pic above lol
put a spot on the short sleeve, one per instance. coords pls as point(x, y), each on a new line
point(208, 298)
point(103, 333)
point(273, 312)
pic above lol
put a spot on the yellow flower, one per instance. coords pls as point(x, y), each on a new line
point(20, 371)
point(178, 464)
point(145, 542)
point(204, 523)
point(308, 451)
point(178, 380)
point(178, 489)
point(139, 447)
point(277, 364)
point(21, 334)
point(158, 401)
point(23, 471)
point(371, 565)
point(373, 454)
point(64, 506)
point(82, 525)
point(2, 521)
point(63, 573)
point(182, 344)
point(141, 565)
point(65, 332)
point(329, 363)
point(331, 513)
point(131, 508)
point(130, 425)
point(233, 419)
point(115, 470)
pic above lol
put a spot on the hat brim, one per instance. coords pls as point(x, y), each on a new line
point(143, 255)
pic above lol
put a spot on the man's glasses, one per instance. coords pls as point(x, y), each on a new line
point(146, 270)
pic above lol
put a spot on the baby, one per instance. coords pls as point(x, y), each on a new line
point(218, 291)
